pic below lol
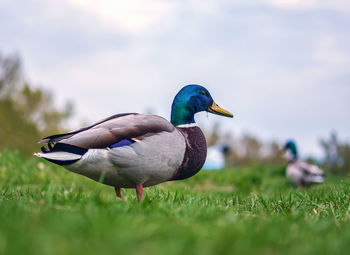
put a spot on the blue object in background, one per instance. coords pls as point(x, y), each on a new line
point(215, 157)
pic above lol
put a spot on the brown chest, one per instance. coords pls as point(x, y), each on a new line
point(195, 154)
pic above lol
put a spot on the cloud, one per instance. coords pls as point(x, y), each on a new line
point(338, 5)
point(282, 67)
point(327, 52)
point(132, 16)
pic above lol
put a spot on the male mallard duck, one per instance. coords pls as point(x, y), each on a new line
point(299, 172)
point(133, 150)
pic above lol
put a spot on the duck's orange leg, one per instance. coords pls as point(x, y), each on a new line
point(139, 192)
point(118, 191)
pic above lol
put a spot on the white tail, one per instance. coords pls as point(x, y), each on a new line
point(58, 155)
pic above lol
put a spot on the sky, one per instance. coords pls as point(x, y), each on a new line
point(282, 67)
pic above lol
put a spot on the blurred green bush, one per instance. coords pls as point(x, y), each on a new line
point(26, 113)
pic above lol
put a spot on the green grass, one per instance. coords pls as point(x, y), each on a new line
point(45, 209)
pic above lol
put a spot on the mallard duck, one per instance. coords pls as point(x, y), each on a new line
point(299, 172)
point(132, 150)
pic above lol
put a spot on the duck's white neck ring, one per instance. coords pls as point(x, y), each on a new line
point(187, 125)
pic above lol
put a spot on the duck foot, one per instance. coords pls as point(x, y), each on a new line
point(139, 192)
point(118, 191)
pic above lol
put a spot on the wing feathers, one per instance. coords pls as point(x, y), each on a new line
point(57, 138)
point(114, 129)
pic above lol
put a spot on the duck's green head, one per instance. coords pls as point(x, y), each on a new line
point(190, 100)
point(291, 147)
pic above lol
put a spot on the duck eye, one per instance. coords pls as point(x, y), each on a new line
point(203, 93)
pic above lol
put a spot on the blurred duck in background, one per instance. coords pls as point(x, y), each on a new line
point(299, 172)
point(216, 157)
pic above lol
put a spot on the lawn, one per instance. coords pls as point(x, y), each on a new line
point(45, 209)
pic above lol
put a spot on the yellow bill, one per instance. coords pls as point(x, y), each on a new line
point(219, 111)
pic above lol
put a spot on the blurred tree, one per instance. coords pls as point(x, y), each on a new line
point(246, 149)
point(252, 147)
point(15, 131)
point(275, 154)
point(26, 113)
point(214, 135)
point(337, 154)
point(10, 75)
point(38, 108)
